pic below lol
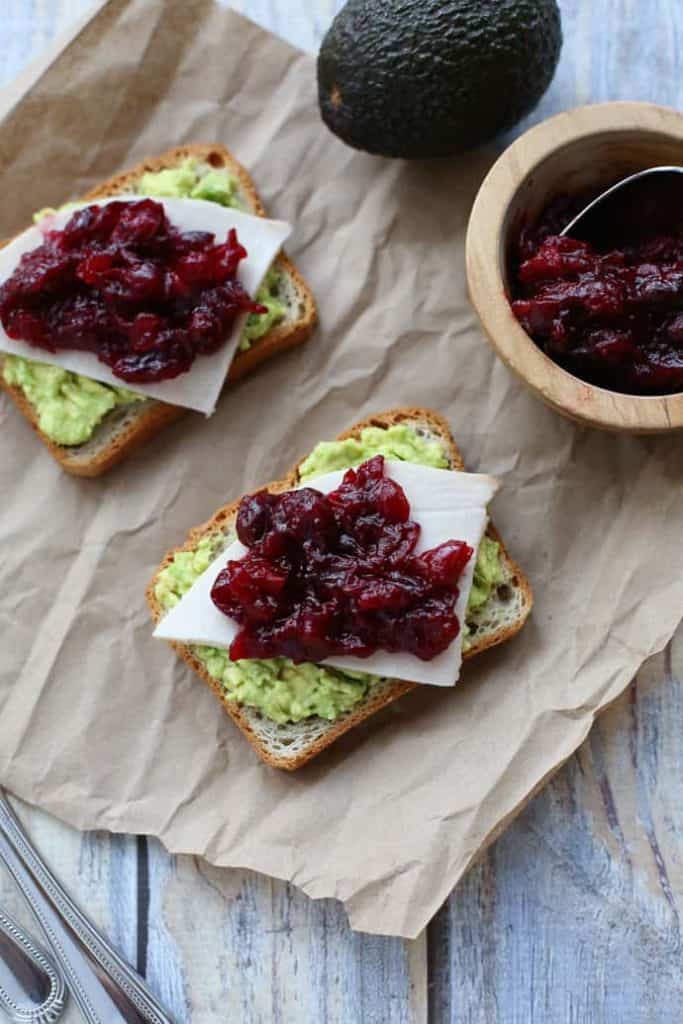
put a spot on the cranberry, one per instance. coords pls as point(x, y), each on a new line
point(253, 517)
point(610, 314)
point(337, 574)
point(120, 281)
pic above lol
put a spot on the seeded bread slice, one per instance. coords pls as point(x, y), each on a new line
point(127, 427)
point(293, 745)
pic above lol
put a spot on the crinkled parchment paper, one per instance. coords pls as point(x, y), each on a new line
point(104, 726)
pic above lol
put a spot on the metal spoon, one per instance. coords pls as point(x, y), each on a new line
point(32, 990)
point(648, 194)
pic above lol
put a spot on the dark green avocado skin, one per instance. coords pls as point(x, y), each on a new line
point(425, 78)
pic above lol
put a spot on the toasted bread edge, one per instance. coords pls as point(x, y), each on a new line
point(157, 415)
point(400, 687)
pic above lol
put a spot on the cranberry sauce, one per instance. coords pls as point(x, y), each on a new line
point(121, 281)
point(610, 312)
point(337, 574)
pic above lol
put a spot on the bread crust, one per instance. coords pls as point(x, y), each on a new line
point(222, 518)
point(155, 415)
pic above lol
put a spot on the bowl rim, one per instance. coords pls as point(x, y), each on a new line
point(484, 258)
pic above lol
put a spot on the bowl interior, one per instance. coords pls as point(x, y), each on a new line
point(592, 161)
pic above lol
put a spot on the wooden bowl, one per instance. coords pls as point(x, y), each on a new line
point(592, 145)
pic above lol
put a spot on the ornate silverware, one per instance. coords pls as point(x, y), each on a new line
point(106, 989)
point(32, 990)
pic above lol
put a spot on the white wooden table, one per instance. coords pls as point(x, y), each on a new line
point(574, 915)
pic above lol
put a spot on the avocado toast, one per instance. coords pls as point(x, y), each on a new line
point(290, 713)
point(118, 421)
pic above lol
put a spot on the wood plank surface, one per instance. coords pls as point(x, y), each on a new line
point(574, 915)
point(233, 945)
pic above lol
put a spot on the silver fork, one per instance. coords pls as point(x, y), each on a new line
point(106, 989)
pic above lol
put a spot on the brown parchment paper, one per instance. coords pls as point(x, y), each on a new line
point(104, 726)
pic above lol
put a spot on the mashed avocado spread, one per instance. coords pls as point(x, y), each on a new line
point(395, 442)
point(282, 691)
point(70, 406)
point(487, 574)
point(188, 181)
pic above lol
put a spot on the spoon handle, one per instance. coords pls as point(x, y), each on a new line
point(32, 990)
point(107, 989)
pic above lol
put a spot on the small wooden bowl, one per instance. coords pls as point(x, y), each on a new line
point(593, 145)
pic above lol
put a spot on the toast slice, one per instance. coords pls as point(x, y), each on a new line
point(127, 427)
point(293, 745)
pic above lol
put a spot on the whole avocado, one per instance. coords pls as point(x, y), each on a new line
point(425, 78)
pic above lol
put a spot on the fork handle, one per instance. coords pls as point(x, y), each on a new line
point(86, 988)
point(106, 988)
